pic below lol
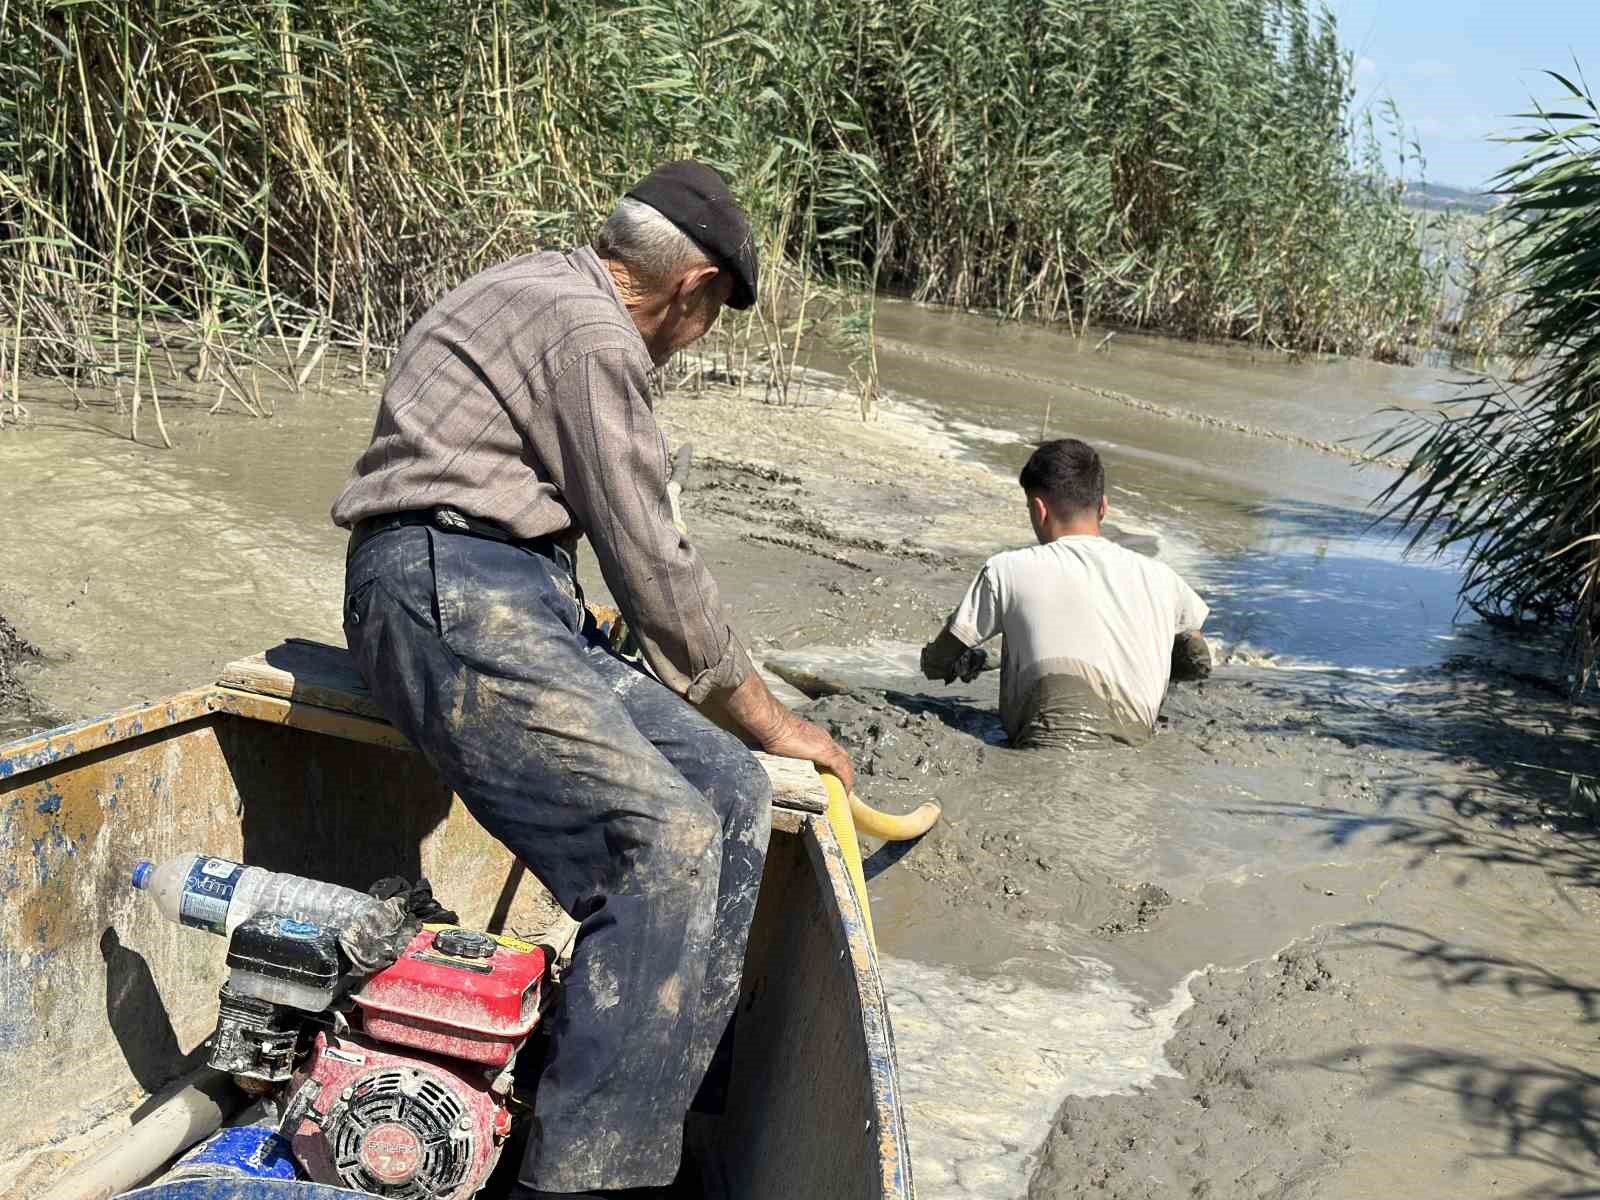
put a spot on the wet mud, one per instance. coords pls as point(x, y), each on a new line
point(1330, 933)
point(13, 651)
point(1376, 898)
point(1183, 1137)
point(19, 712)
point(909, 748)
point(1482, 915)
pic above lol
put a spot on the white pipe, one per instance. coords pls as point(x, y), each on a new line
point(194, 1112)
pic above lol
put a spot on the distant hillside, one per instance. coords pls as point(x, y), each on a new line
point(1441, 197)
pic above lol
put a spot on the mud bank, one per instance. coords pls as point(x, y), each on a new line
point(13, 651)
point(19, 712)
point(1373, 1060)
point(1385, 889)
point(1432, 1030)
point(1330, 931)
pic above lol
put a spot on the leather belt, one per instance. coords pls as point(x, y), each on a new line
point(448, 520)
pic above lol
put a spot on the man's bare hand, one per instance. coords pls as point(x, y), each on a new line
point(753, 712)
point(799, 738)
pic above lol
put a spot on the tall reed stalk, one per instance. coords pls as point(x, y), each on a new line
point(260, 182)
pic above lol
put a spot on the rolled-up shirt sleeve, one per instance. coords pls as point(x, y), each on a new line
point(977, 618)
point(614, 470)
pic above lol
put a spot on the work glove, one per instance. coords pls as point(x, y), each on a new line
point(378, 936)
point(419, 899)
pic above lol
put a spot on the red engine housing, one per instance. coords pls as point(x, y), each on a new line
point(479, 1007)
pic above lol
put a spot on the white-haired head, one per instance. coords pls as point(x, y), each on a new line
point(652, 248)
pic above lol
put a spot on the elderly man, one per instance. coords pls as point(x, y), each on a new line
point(1092, 630)
point(516, 418)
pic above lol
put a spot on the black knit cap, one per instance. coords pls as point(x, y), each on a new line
point(695, 199)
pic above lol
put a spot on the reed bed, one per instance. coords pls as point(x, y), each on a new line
point(195, 193)
point(1506, 473)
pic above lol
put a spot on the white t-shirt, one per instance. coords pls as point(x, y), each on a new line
point(1088, 631)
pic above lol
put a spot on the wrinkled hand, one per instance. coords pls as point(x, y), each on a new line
point(796, 737)
point(751, 711)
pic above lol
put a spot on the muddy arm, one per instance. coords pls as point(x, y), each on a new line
point(947, 657)
point(1191, 657)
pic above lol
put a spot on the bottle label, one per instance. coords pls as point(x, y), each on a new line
point(208, 892)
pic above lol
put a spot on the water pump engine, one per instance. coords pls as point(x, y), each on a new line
point(396, 1084)
point(382, 1120)
point(414, 1107)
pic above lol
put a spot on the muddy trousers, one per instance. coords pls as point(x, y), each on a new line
point(646, 822)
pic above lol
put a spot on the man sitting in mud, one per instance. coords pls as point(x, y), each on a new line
point(517, 417)
point(1092, 630)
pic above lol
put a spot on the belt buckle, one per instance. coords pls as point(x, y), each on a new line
point(450, 519)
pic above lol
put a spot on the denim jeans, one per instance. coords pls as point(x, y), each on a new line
point(646, 822)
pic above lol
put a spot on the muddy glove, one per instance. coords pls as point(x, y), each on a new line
point(378, 936)
point(968, 665)
point(1191, 658)
point(419, 898)
point(947, 658)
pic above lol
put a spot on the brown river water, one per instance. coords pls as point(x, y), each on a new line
point(1330, 933)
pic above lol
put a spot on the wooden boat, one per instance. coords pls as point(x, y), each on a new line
point(285, 763)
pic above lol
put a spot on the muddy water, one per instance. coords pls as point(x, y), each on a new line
point(1069, 952)
point(1274, 811)
point(1281, 536)
point(140, 571)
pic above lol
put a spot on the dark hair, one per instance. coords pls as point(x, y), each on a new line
point(1067, 474)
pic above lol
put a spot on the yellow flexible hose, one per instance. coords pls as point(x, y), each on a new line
point(847, 813)
point(844, 832)
point(888, 827)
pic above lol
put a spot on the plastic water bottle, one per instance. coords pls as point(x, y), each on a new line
point(219, 895)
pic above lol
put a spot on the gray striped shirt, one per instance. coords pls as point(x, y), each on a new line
point(522, 397)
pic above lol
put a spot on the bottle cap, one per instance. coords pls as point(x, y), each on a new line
point(141, 873)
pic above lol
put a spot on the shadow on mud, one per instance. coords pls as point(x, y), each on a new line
point(976, 718)
point(1485, 765)
point(1476, 760)
point(1479, 836)
point(1538, 1112)
point(885, 857)
point(1453, 966)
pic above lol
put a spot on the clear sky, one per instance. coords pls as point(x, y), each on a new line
point(1459, 68)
